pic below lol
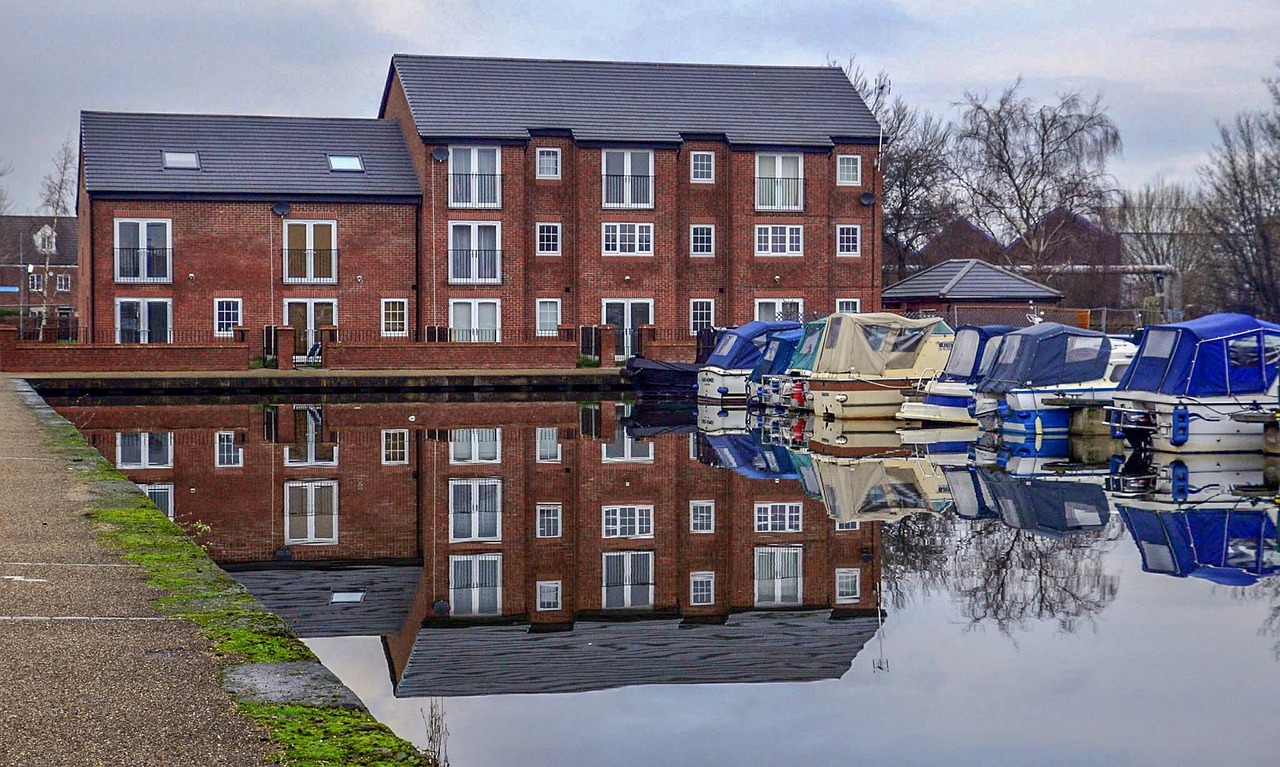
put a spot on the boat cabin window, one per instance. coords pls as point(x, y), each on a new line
point(988, 356)
point(1159, 558)
point(1081, 515)
point(909, 339)
point(964, 352)
point(1083, 348)
point(1009, 349)
point(1159, 343)
point(876, 336)
point(834, 326)
point(811, 335)
point(725, 345)
point(1118, 372)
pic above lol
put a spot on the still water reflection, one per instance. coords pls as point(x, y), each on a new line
point(593, 583)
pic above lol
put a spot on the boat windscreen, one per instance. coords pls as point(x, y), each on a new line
point(964, 353)
point(807, 351)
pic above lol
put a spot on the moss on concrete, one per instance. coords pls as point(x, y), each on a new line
point(331, 737)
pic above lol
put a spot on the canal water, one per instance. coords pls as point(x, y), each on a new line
point(589, 583)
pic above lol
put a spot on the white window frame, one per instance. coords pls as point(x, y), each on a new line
point(237, 455)
point(217, 320)
point(310, 277)
point(388, 458)
point(63, 282)
point(346, 163)
point(553, 511)
point(165, 488)
point(779, 302)
point(640, 513)
point(178, 160)
point(475, 303)
point(693, 528)
point(475, 483)
point(35, 282)
point(777, 162)
point(856, 301)
point(627, 571)
point(537, 162)
point(539, 433)
point(537, 317)
point(474, 261)
point(703, 576)
point(695, 254)
point(857, 178)
point(777, 553)
point(604, 239)
point(142, 228)
point(552, 587)
point(858, 234)
point(792, 521)
point(846, 572)
point(497, 172)
point(628, 451)
point(308, 458)
point(693, 173)
point(627, 202)
point(311, 539)
point(848, 526)
point(472, 439)
point(144, 333)
point(693, 329)
point(537, 239)
point(390, 333)
point(788, 252)
point(474, 561)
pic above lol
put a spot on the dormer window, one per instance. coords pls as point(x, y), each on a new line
point(182, 161)
point(46, 240)
point(347, 163)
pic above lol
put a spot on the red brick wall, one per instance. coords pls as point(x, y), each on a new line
point(47, 357)
point(443, 356)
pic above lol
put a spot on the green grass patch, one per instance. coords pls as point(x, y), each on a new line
point(332, 737)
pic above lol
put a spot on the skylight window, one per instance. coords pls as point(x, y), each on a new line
point(346, 162)
point(182, 160)
point(346, 597)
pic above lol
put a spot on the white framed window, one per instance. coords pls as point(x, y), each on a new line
point(702, 314)
point(475, 177)
point(144, 320)
point(548, 162)
point(702, 240)
point(627, 178)
point(311, 512)
point(144, 250)
point(627, 239)
point(779, 575)
point(548, 325)
point(469, 446)
point(627, 521)
point(548, 239)
point(64, 282)
point(395, 447)
point(310, 251)
point(35, 283)
point(779, 240)
point(475, 252)
point(702, 167)
point(144, 450)
point(848, 526)
point(395, 317)
point(226, 453)
point(548, 444)
point(181, 160)
point(346, 597)
point(346, 163)
point(702, 588)
point(777, 309)
point(475, 320)
point(548, 595)
point(702, 516)
point(779, 517)
point(310, 447)
point(626, 449)
point(475, 510)
point(779, 181)
point(849, 305)
point(849, 170)
point(628, 580)
point(849, 240)
point(227, 316)
point(475, 584)
point(848, 585)
point(161, 494)
point(549, 520)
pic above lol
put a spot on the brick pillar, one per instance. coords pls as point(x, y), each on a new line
point(608, 345)
point(8, 342)
point(284, 347)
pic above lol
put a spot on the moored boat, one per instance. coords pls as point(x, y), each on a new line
point(946, 396)
point(658, 379)
point(778, 352)
point(723, 377)
point(788, 389)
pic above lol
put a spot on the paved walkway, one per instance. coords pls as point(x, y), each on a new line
point(90, 672)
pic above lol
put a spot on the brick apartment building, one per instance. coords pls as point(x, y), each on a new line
point(494, 207)
point(38, 269)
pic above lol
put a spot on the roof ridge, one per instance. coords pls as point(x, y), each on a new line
point(968, 267)
point(237, 115)
point(1020, 277)
point(619, 62)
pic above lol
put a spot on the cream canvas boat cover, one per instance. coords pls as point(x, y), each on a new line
point(871, 490)
point(868, 344)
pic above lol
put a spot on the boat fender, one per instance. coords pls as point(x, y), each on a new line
point(723, 389)
point(1181, 429)
point(842, 398)
point(1116, 464)
point(1002, 410)
point(972, 408)
point(1180, 481)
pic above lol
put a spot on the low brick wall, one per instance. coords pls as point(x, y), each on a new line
point(47, 357)
point(446, 355)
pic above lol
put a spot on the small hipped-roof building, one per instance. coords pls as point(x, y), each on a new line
point(969, 290)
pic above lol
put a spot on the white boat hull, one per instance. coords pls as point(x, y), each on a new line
point(1172, 424)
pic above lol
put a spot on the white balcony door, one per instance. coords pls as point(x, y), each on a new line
point(306, 316)
point(627, 315)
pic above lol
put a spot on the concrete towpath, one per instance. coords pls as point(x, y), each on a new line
point(90, 672)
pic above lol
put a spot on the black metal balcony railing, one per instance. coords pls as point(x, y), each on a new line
point(779, 193)
point(475, 267)
point(144, 265)
point(628, 191)
point(475, 190)
point(311, 265)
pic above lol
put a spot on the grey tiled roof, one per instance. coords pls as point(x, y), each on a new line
point(244, 155)
point(301, 597)
point(453, 97)
point(18, 245)
point(969, 280)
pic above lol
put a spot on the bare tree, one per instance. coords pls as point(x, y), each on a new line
point(6, 202)
point(1241, 210)
point(1158, 225)
point(56, 190)
point(1015, 161)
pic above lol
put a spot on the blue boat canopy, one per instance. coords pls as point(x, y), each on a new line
point(740, 348)
point(1230, 547)
point(745, 455)
point(1047, 354)
point(777, 355)
point(1047, 507)
point(973, 351)
point(1214, 355)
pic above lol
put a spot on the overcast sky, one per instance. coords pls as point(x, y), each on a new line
point(1166, 69)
